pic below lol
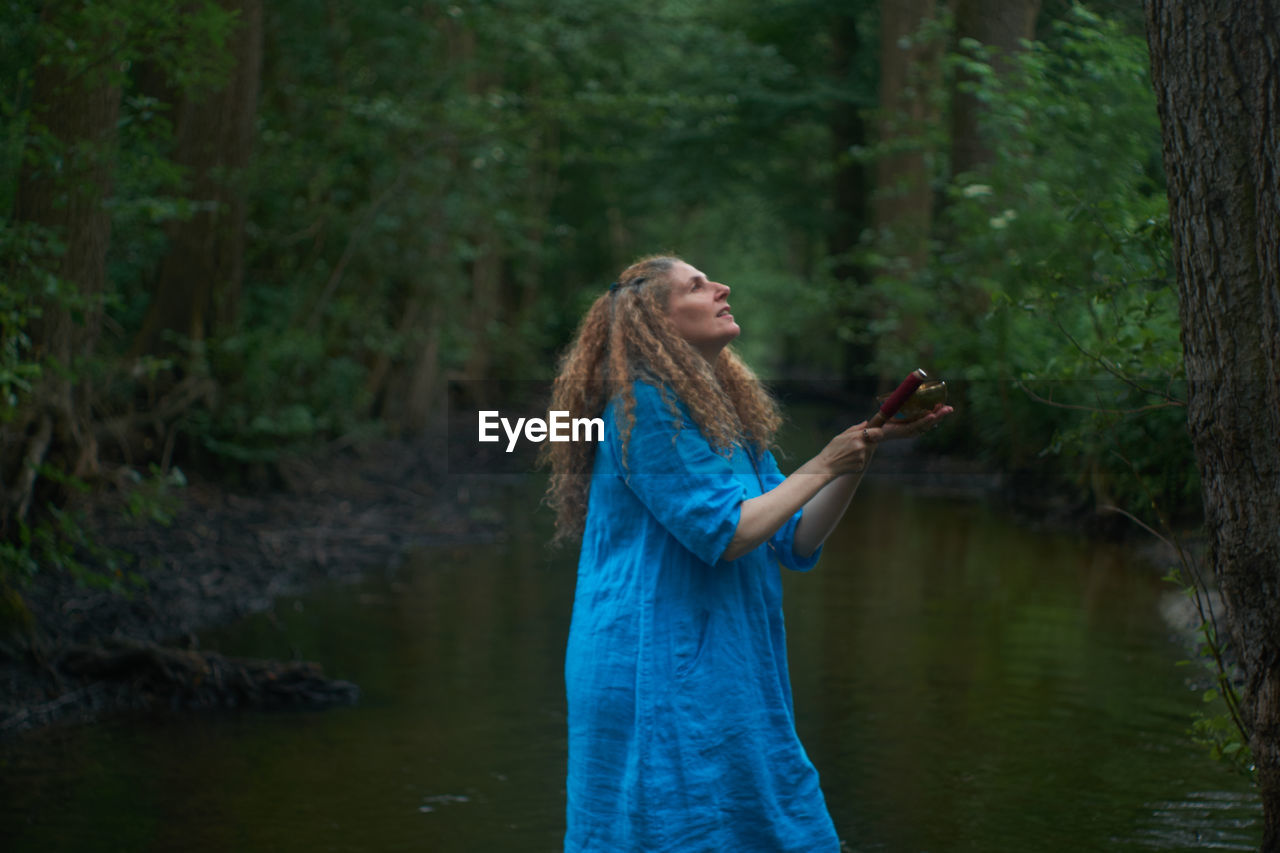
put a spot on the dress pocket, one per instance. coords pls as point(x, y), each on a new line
point(692, 643)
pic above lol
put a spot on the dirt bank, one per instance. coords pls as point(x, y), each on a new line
point(229, 551)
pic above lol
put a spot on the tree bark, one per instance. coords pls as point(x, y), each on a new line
point(1214, 67)
point(1000, 24)
point(77, 106)
point(198, 284)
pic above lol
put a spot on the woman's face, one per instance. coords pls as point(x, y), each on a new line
point(699, 309)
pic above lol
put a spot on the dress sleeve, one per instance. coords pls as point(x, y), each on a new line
point(783, 542)
point(690, 489)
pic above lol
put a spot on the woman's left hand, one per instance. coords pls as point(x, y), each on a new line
point(910, 429)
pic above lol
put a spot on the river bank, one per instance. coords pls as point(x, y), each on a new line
point(234, 550)
point(229, 551)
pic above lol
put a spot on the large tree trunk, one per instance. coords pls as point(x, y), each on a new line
point(77, 105)
point(486, 308)
point(999, 24)
point(1213, 65)
point(198, 283)
point(902, 207)
point(909, 71)
point(850, 185)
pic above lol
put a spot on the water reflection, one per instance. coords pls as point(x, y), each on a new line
point(962, 684)
point(966, 685)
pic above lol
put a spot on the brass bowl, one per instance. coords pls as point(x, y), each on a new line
point(922, 402)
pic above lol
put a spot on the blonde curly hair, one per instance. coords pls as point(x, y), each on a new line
point(626, 335)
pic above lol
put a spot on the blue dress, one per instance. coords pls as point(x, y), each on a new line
point(681, 730)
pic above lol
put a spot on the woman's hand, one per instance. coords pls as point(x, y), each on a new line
point(822, 487)
point(910, 429)
point(850, 451)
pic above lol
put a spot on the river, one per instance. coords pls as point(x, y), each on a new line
point(962, 684)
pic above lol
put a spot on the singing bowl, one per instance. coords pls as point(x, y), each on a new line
point(923, 401)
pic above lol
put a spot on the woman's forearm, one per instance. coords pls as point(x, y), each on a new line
point(822, 487)
point(762, 516)
point(823, 512)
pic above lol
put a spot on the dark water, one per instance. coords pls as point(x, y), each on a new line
point(961, 684)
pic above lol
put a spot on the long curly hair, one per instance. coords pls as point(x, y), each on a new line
point(626, 335)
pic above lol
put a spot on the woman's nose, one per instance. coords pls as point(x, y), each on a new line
point(724, 289)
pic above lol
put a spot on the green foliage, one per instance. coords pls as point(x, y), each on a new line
point(282, 393)
point(1050, 287)
point(61, 540)
point(24, 253)
point(1217, 732)
point(441, 188)
point(176, 46)
point(61, 543)
point(550, 143)
point(1219, 729)
point(152, 499)
point(105, 36)
point(431, 185)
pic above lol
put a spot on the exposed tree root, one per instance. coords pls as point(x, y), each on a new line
point(227, 554)
point(183, 678)
point(125, 673)
point(17, 499)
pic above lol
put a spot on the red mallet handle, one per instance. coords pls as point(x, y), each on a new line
point(895, 400)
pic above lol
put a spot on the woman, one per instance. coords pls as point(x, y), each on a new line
point(681, 731)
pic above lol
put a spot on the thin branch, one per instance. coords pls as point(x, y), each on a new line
point(1114, 371)
point(1209, 623)
point(349, 251)
point(1139, 522)
point(1169, 403)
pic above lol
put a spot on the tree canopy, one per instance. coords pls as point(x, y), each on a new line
point(293, 224)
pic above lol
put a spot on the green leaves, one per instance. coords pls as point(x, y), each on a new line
point(61, 542)
point(1216, 729)
point(1051, 268)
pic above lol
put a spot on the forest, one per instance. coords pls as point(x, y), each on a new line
point(237, 232)
point(229, 236)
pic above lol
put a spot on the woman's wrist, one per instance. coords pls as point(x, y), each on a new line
point(820, 466)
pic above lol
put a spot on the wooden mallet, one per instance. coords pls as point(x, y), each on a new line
point(894, 401)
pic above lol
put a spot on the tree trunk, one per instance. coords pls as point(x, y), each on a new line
point(78, 107)
point(909, 71)
point(486, 302)
point(198, 284)
point(850, 185)
point(902, 207)
point(1000, 24)
point(425, 390)
point(1213, 65)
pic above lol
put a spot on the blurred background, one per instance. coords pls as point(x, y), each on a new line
point(235, 229)
point(236, 233)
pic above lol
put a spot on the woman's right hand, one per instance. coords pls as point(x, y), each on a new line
point(850, 451)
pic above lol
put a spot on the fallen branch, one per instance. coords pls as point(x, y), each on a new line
point(183, 678)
